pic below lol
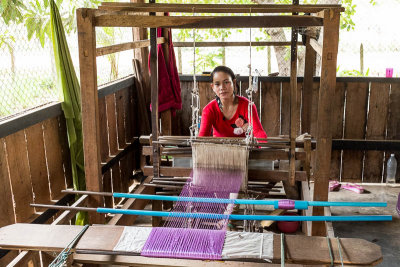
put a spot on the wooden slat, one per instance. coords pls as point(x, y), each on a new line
point(19, 176)
point(337, 127)
point(205, 22)
point(101, 51)
point(129, 118)
point(324, 134)
point(142, 105)
point(90, 109)
point(105, 150)
point(113, 139)
point(66, 156)
point(217, 8)
point(183, 119)
point(393, 124)
point(119, 104)
point(376, 130)
point(285, 109)
point(54, 157)
point(355, 122)
point(205, 92)
point(6, 202)
point(37, 163)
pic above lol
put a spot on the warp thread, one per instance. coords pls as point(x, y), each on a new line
point(218, 172)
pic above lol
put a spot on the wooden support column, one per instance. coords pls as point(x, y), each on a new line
point(90, 108)
point(324, 134)
point(293, 103)
point(309, 72)
point(154, 99)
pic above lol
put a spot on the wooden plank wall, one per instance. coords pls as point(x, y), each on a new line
point(35, 162)
point(118, 120)
point(362, 109)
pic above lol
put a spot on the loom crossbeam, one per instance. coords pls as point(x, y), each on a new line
point(103, 240)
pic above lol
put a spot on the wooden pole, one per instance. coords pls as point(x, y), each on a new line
point(90, 108)
point(293, 103)
point(309, 71)
point(324, 134)
point(154, 98)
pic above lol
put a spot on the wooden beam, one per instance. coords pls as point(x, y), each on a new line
point(106, 20)
point(324, 134)
point(316, 46)
point(101, 51)
point(254, 154)
point(216, 8)
point(308, 84)
point(294, 113)
point(254, 175)
point(90, 108)
point(226, 44)
point(154, 99)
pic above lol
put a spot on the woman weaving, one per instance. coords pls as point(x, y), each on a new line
point(227, 115)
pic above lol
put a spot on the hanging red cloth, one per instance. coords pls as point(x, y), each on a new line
point(169, 87)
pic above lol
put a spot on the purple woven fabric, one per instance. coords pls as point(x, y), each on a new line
point(185, 243)
point(197, 238)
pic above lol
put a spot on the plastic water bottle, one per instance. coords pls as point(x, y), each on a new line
point(391, 170)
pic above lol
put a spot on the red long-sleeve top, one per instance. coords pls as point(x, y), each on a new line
point(214, 123)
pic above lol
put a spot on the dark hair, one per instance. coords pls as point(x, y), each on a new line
point(224, 69)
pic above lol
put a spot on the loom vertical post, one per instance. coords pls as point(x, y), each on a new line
point(331, 20)
point(154, 97)
point(293, 102)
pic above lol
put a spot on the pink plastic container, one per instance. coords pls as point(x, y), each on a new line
point(288, 227)
point(389, 72)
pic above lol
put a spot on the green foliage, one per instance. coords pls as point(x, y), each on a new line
point(6, 39)
point(352, 73)
point(11, 10)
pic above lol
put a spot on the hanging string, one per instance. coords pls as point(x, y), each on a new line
point(330, 250)
point(282, 250)
point(194, 128)
point(249, 91)
point(340, 250)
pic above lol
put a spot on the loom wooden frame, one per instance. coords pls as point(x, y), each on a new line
point(110, 15)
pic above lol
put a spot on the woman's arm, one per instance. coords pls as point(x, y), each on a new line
point(207, 120)
point(257, 127)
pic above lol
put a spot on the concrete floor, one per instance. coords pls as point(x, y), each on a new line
point(384, 234)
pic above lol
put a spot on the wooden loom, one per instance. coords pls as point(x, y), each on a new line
point(126, 15)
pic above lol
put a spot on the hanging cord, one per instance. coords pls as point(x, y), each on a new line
point(330, 250)
point(282, 250)
point(249, 91)
point(340, 250)
point(61, 259)
point(194, 128)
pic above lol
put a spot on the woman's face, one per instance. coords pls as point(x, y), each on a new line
point(223, 85)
